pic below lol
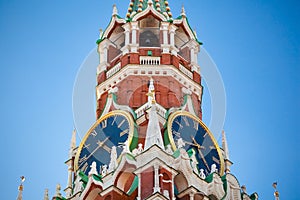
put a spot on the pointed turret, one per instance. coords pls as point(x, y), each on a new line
point(183, 11)
point(153, 134)
point(115, 10)
point(228, 163)
point(70, 163)
point(46, 195)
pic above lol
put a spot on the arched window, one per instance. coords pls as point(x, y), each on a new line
point(181, 40)
point(117, 41)
point(149, 32)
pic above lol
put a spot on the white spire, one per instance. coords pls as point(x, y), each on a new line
point(73, 141)
point(183, 11)
point(153, 134)
point(224, 145)
point(228, 163)
point(115, 10)
point(58, 188)
point(46, 196)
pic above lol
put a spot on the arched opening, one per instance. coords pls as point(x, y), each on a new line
point(149, 32)
point(181, 40)
point(117, 41)
point(180, 182)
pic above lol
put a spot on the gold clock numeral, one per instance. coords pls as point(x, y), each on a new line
point(196, 125)
point(86, 146)
point(216, 160)
point(94, 133)
point(83, 159)
point(176, 133)
point(122, 122)
point(205, 134)
point(212, 147)
point(115, 117)
point(104, 123)
point(180, 125)
point(186, 121)
point(126, 131)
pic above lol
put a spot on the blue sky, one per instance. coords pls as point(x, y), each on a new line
point(255, 45)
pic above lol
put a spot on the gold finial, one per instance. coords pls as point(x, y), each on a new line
point(152, 95)
point(101, 33)
point(276, 193)
point(20, 188)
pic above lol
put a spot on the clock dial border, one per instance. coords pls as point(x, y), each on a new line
point(97, 123)
point(185, 113)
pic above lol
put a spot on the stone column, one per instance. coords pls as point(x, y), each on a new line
point(172, 40)
point(125, 49)
point(156, 179)
point(165, 45)
point(140, 188)
point(134, 29)
point(192, 195)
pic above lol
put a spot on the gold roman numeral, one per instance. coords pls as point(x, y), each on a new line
point(126, 131)
point(94, 133)
point(196, 125)
point(104, 123)
point(122, 122)
point(186, 121)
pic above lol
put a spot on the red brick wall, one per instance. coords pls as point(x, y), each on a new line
point(147, 183)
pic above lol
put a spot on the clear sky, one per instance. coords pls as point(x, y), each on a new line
point(255, 45)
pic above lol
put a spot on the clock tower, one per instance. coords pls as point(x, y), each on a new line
point(148, 140)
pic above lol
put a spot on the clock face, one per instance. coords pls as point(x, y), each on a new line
point(197, 138)
point(113, 129)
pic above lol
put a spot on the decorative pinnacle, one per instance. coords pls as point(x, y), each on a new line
point(100, 33)
point(224, 145)
point(21, 188)
point(73, 140)
point(276, 193)
point(183, 11)
point(46, 196)
point(244, 189)
point(115, 10)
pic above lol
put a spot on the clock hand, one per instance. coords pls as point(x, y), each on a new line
point(100, 144)
point(201, 154)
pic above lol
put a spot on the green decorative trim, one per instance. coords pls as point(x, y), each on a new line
point(135, 138)
point(60, 198)
point(224, 180)
point(97, 177)
point(134, 185)
point(209, 178)
point(166, 136)
point(176, 153)
point(130, 157)
point(253, 196)
point(191, 152)
point(99, 40)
